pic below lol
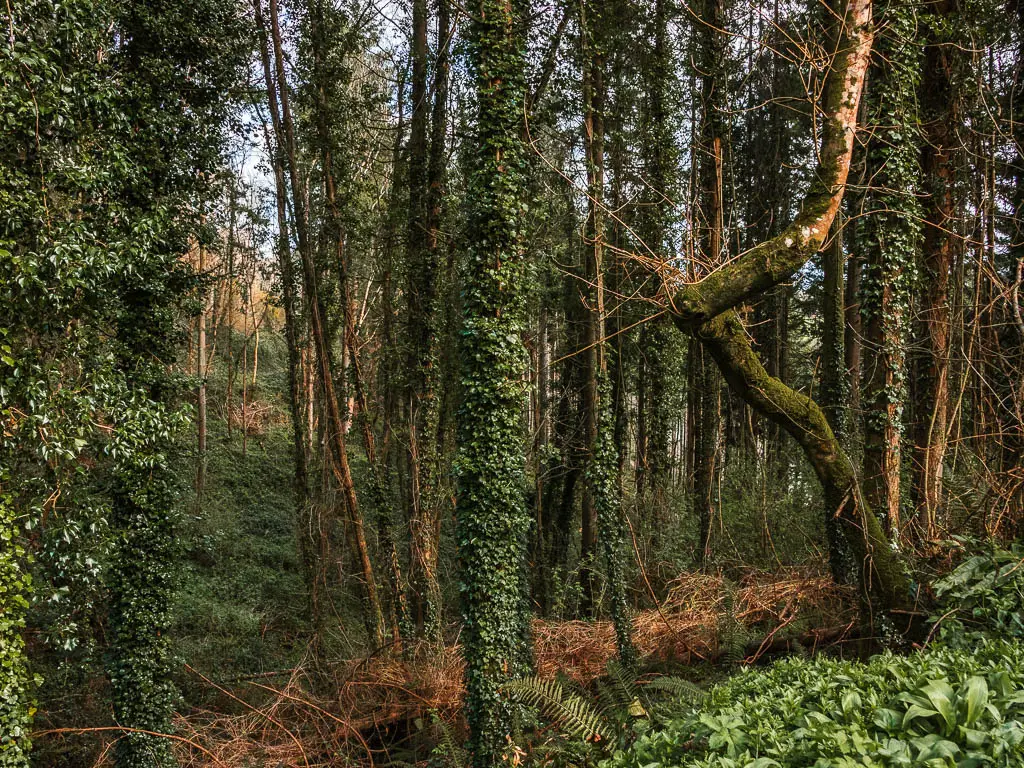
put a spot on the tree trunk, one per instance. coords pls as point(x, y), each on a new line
point(834, 384)
point(593, 339)
point(492, 519)
point(335, 428)
point(880, 570)
point(707, 421)
point(891, 241)
point(931, 368)
point(697, 306)
point(201, 393)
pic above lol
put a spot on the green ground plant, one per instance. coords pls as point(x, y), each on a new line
point(985, 593)
point(944, 706)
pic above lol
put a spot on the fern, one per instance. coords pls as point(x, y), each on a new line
point(684, 690)
point(449, 750)
point(733, 635)
point(623, 680)
point(572, 713)
point(620, 697)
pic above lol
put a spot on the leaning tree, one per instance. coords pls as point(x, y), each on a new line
point(708, 309)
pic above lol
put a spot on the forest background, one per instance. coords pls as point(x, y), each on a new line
point(344, 345)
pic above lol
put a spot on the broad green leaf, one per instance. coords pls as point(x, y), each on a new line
point(976, 697)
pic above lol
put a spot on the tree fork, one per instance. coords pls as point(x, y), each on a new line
point(778, 258)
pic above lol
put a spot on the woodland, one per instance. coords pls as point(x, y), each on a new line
point(611, 383)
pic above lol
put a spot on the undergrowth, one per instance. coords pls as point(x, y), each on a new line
point(940, 707)
point(957, 703)
point(985, 593)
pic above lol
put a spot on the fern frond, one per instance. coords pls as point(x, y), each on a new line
point(623, 679)
point(682, 689)
point(733, 634)
point(453, 754)
point(572, 713)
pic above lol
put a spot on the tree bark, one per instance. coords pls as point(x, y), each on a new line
point(201, 393)
point(880, 570)
point(593, 339)
point(834, 382)
point(931, 368)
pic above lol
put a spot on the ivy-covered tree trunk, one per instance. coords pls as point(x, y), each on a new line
point(602, 515)
point(140, 582)
point(594, 94)
point(493, 522)
point(421, 296)
point(891, 239)
point(167, 49)
point(835, 385)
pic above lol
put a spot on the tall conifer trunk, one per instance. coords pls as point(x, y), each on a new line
point(593, 274)
point(707, 423)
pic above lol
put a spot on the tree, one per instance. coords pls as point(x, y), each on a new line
point(92, 258)
point(940, 119)
point(492, 518)
point(711, 33)
point(891, 239)
point(337, 444)
point(660, 157)
point(706, 307)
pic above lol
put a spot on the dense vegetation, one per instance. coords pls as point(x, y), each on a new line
point(957, 702)
point(417, 383)
point(942, 706)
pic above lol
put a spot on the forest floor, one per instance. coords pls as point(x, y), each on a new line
point(373, 709)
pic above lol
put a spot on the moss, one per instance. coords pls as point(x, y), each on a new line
point(882, 574)
point(777, 259)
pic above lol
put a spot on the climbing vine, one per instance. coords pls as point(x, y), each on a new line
point(16, 682)
point(602, 477)
point(492, 519)
point(891, 239)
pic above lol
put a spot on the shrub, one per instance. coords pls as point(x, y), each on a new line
point(944, 706)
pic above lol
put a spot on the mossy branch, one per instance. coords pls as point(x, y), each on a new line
point(882, 575)
point(773, 261)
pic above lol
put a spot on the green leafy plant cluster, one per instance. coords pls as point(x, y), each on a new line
point(100, 186)
point(943, 706)
point(984, 593)
point(15, 681)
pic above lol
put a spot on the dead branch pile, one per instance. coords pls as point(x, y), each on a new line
point(256, 417)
